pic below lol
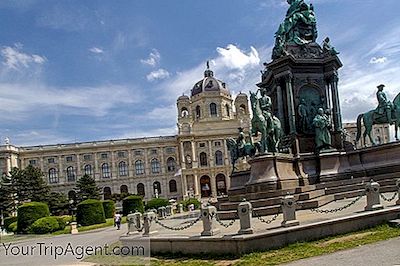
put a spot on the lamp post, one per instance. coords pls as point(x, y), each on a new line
point(72, 209)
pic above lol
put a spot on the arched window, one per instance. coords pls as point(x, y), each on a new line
point(70, 174)
point(184, 112)
point(157, 188)
point(123, 169)
point(213, 109)
point(155, 166)
point(124, 189)
point(198, 112)
point(228, 113)
point(203, 159)
point(172, 186)
point(105, 171)
point(88, 170)
point(107, 193)
point(53, 176)
point(140, 189)
point(171, 165)
point(139, 167)
point(219, 160)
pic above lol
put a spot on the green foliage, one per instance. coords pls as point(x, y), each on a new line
point(45, 225)
point(109, 208)
point(119, 196)
point(90, 212)
point(58, 203)
point(7, 196)
point(86, 188)
point(8, 221)
point(29, 212)
point(193, 201)
point(156, 203)
point(132, 204)
point(13, 227)
point(62, 223)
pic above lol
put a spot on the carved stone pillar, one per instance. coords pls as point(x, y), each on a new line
point(290, 104)
point(280, 104)
point(337, 120)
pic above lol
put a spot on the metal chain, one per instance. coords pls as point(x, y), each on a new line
point(266, 221)
point(226, 225)
point(178, 228)
point(388, 199)
point(337, 209)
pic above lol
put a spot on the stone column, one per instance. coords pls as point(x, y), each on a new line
point(114, 170)
point(279, 95)
point(245, 213)
point(96, 172)
point(373, 197)
point(78, 166)
point(208, 217)
point(290, 104)
point(226, 154)
point(196, 185)
point(211, 155)
point(131, 165)
point(289, 211)
point(61, 174)
point(213, 182)
point(183, 162)
point(194, 159)
point(337, 120)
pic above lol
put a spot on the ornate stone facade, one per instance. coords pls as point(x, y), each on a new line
point(194, 162)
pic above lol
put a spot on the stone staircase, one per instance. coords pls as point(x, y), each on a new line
point(308, 196)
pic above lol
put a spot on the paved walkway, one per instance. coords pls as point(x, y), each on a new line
point(386, 253)
point(42, 251)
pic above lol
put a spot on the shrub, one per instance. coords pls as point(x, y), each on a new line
point(67, 218)
point(193, 201)
point(8, 221)
point(13, 227)
point(132, 204)
point(109, 208)
point(61, 222)
point(44, 225)
point(28, 213)
point(90, 212)
point(156, 203)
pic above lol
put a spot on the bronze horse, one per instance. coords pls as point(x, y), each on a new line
point(370, 118)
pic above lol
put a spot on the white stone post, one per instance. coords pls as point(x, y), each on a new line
point(180, 208)
point(148, 217)
point(168, 210)
point(398, 191)
point(289, 211)
point(74, 228)
point(161, 212)
point(245, 214)
point(373, 197)
point(208, 214)
point(134, 222)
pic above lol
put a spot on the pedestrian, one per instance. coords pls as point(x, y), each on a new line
point(117, 220)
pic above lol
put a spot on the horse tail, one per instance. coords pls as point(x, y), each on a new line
point(359, 126)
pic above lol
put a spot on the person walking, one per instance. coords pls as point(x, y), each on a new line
point(117, 220)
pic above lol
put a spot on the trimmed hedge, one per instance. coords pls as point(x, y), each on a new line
point(193, 201)
point(28, 213)
point(132, 204)
point(109, 208)
point(8, 221)
point(62, 223)
point(156, 203)
point(13, 227)
point(45, 225)
point(90, 212)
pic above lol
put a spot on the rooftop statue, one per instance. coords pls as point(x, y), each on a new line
point(299, 27)
point(328, 48)
point(385, 113)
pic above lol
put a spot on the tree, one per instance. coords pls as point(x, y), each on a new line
point(86, 188)
point(8, 202)
point(58, 203)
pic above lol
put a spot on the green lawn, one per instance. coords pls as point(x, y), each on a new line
point(287, 254)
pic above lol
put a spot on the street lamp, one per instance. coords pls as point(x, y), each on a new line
point(72, 209)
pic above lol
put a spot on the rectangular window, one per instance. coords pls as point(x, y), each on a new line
point(138, 152)
point(170, 150)
point(153, 151)
point(32, 162)
point(50, 160)
point(121, 154)
point(217, 144)
point(69, 158)
point(202, 145)
point(87, 157)
point(104, 156)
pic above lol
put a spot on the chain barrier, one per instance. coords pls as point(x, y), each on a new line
point(226, 225)
point(337, 209)
point(180, 228)
point(259, 217)
point(388, 199)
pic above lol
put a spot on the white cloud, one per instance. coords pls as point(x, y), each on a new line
point(96, 50)
point(15, 59)
point(233, 57)
point(378, 60)
point(153, 59)
point(157, 75)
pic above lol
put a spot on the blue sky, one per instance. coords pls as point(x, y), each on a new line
point(97, 70)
